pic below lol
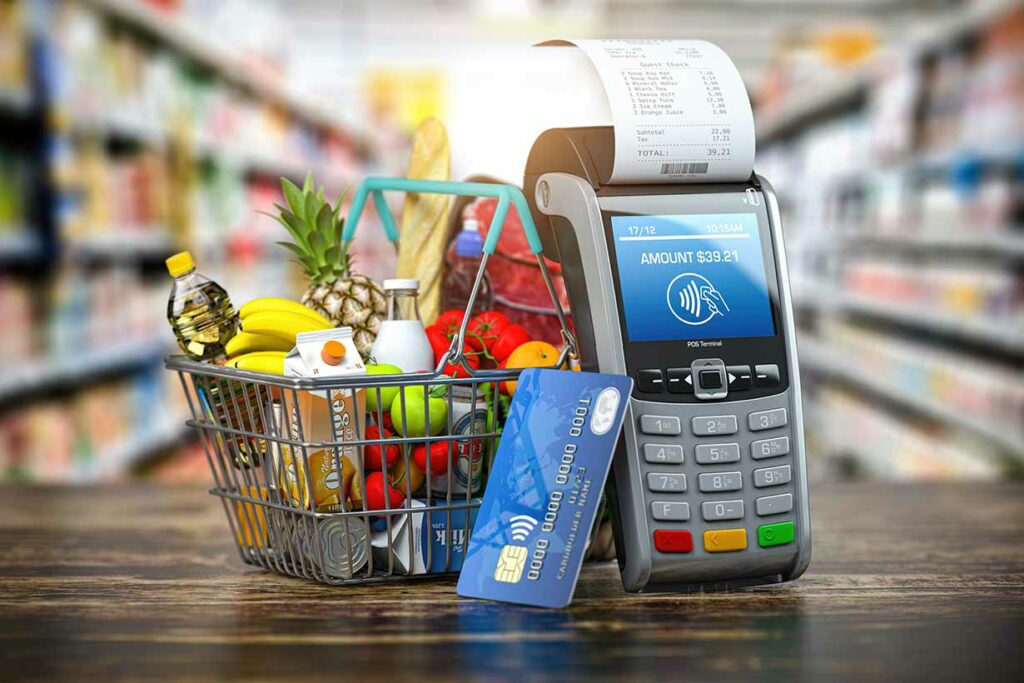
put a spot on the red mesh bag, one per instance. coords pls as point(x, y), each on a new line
point(518, 285)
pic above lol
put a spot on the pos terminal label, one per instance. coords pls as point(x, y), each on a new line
point(690, 277)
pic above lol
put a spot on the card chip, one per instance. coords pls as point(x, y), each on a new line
point(511, 562)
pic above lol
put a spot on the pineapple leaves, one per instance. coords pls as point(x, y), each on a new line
point(293, 196)
point(307, 186)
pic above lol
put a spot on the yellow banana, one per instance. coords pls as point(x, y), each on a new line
point(273, 305)
point(285, 326)
point(261, 361)
point(247, 342)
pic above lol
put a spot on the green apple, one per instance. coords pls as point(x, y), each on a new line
point(416, 400)
point(387, 394)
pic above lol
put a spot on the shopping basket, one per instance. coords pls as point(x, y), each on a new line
point(297, 505)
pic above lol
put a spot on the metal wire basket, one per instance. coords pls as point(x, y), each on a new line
point(299, 506)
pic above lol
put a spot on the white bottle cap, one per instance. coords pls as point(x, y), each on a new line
point(398, 283)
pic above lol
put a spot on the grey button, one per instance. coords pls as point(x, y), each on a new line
point(663, 452)
point(772, 476)
point(724, 509)
point(714, 482)
point(774, 505)
point(767, 419)
point(660, 424)
point(714, 424)
point(666, 481)
point(715, 453)
point(769, 448)
point(665, 511)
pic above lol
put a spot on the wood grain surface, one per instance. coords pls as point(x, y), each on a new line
point(908, 582)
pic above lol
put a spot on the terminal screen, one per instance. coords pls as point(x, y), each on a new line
point(690, 277)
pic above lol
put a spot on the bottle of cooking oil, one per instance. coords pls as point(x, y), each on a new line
point(199, 311)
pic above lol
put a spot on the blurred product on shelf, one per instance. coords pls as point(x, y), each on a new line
point(92, 433)
point(200, 312)
point(14, 73)
point(890, 446)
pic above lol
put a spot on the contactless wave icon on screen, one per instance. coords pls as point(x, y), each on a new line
point(522, 526)
point(693, 300)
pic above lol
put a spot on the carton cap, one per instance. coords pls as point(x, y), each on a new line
point(333, 352)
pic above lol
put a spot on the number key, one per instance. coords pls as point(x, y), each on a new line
point(663, 453)
point(660, 424)
point(715, 453)
point(666, 482)
point(714, 424)
point(714, 482)
point(769, 448)
point(767, 419)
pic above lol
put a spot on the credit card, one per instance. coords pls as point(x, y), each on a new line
point(544, 487)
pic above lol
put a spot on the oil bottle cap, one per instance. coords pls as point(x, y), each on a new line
point(333, 352)
point(180, 263)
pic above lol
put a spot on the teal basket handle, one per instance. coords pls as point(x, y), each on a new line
point(505, 194)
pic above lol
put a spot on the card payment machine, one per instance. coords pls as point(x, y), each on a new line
point(684, 287)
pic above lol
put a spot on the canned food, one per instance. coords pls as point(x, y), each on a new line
point(467, 464)
point(344, 547)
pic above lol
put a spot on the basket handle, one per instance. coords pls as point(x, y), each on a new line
point(506, 196)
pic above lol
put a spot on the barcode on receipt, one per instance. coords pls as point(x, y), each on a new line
point(684, 169)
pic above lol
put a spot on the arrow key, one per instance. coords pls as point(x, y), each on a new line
point(739, 377)
point(680, 380)
point(725, 540)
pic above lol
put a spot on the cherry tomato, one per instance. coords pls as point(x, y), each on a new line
point(438, 457)
point(486, 327)
point(376, 494)
point(511, 338)
point(372, 452)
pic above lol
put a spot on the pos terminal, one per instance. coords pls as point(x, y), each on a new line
point(683, 286)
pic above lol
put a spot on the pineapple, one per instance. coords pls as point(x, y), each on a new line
point(343, 297)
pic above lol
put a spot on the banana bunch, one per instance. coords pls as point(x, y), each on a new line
point(269, 329)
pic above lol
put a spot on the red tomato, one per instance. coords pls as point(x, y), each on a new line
point(438, 464)
point(439, 341)
point(371, 453)
point(450, 320)
point(377, 490)
point(508, 341)
point(486, 327)
point(472, 359)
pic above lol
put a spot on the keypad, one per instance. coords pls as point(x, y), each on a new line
point(717, 482)
point(714, 425)
point(666, 425)
point(670, 511)
point(716, 453)
point(663, 453)
point(693, 503)
point(769, 448)
point(774, 505)
point(767, 419)
point(772, 476)
point(667, 482)
point(718, 510)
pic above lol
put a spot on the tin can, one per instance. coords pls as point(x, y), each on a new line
point(467, 468)
point(344, 547)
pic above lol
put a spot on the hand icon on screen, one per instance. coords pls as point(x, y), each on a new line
point(714, 301)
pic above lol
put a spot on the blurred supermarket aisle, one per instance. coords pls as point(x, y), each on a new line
point(893, 131)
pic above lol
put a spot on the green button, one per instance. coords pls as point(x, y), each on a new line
point(769, 535)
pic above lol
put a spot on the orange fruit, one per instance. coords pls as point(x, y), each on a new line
point(532, 354)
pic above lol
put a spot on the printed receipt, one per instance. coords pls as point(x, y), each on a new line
point(679, 107)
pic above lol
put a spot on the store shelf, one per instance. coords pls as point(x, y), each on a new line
point(814, 99)
point(998, 335)
point(134, 451)
point(73, 369)
point(998, 244)
point(136, 243)
point(177, 34)
point(816, 357)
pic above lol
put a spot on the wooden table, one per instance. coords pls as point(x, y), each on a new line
point(907, 582)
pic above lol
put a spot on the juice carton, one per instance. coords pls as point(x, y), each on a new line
point(322, 416)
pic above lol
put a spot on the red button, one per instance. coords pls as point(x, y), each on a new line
point(673, 541)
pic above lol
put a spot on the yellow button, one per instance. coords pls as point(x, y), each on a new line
point(725, 540)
